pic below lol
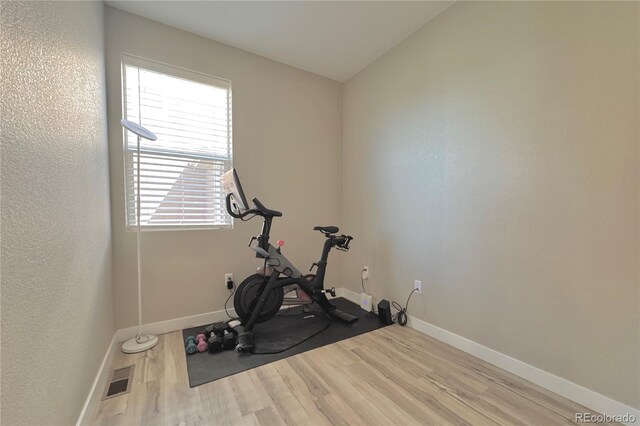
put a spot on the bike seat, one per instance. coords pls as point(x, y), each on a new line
point(327, 229)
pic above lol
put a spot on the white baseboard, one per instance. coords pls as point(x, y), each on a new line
point(163, 327)
point(583, 396)
point(168, 326)
point(348, 294)
point(563, 387)
point(99, 383)
point(157, 328)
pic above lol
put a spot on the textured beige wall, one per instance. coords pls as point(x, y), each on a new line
point(287, 130)
point(494, 155)
point(57, 304)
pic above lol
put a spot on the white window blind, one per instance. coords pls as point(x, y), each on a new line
point(180, 172)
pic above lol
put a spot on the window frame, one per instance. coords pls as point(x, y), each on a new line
point(186, 74)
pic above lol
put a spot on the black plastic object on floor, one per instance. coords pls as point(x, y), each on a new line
point(384, 312)
point(288, 328)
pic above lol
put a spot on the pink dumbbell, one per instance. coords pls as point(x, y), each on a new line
point(201, 343)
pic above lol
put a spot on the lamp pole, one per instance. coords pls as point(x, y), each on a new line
point(141, 342)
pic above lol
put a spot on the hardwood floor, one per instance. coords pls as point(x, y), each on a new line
point(390, 376)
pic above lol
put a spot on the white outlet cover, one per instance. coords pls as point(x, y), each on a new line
point(417, 284)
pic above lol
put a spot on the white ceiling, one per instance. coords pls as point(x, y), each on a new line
point(335, 39)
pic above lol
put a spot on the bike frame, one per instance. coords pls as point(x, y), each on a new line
point(282, 266)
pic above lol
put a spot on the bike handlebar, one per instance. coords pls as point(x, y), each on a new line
point(233, 214)
point(261, 210)
point(342, 242)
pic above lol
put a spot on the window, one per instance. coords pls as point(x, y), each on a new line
point(180, 172)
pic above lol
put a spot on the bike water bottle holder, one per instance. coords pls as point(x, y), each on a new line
point(256, 247)
point(275, 259)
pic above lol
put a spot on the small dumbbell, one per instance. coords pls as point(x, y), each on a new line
point(209, 331)
point(201, 343)
point(215, 328)
point(190, 345)
point(214, 343)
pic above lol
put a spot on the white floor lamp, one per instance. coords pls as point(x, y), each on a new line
point(141, 342)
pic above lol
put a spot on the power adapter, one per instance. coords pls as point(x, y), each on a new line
point(366, 302)
point(229, 284)
point(384, 312)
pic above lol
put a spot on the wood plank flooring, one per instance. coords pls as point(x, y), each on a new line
point(391, 376)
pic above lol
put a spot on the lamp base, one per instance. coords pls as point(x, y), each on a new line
point(139, 344)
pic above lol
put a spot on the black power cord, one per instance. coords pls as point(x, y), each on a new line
point(326, 326)
point(401, 316)
point(233, 291)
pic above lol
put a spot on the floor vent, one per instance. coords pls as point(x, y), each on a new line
point(119, 382)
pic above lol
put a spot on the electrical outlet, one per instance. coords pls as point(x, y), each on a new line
point(228, 277)
point(365, 273)
point(417, 285)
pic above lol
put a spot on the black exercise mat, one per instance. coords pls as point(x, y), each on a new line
point(287, 328)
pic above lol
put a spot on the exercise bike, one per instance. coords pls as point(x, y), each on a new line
point(260, 296)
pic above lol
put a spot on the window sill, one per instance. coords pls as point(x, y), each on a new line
point(179, 228)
